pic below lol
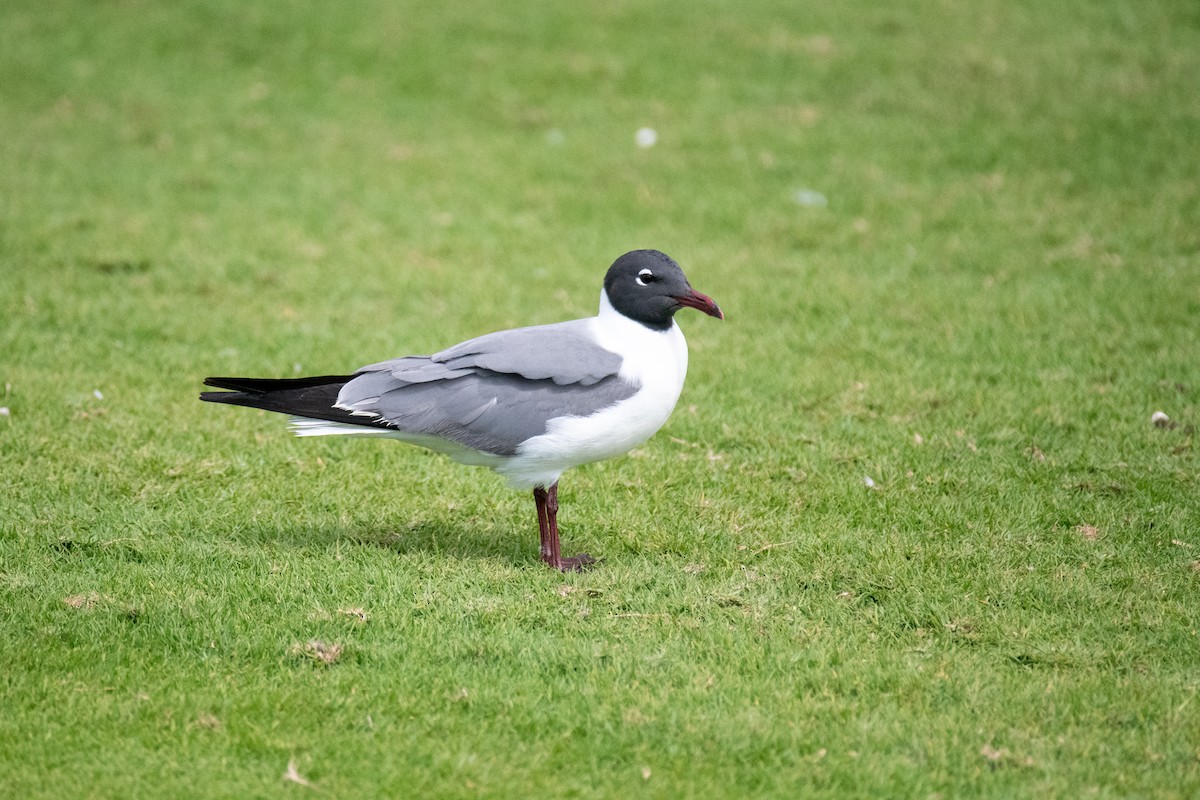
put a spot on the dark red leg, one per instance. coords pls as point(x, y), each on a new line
point(547, 508)
point(540, 497)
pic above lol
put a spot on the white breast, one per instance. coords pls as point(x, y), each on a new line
point(655, 361)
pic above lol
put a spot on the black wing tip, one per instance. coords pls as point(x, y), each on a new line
point(313, 397)
point(264, 385)
point(223, 397)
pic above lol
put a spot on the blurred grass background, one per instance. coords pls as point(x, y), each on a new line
point(957, 246)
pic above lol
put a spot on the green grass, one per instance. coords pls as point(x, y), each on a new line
point(1003, 287)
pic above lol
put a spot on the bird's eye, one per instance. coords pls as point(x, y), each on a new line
point(645, 277)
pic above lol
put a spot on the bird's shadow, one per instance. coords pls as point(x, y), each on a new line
point(428, 537)
point(440, 538)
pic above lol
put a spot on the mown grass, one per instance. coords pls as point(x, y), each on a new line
point(1003, 286)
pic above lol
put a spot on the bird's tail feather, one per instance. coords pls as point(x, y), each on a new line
point(312, 397)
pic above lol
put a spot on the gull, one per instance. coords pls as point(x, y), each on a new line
point(528, 403)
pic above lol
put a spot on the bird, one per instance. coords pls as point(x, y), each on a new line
point(528, 403)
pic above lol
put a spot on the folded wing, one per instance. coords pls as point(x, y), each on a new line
point(492, 393)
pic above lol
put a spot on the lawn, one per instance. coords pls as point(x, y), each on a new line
point(910, 532)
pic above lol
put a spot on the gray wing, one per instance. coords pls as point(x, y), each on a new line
point(494, 392)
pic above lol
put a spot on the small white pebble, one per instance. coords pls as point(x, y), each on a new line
point(867, 480)
point(810, 198)
point(1159, 419)
point(96, 394)
point(646, 137)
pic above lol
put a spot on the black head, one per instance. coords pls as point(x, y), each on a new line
point(649, 287)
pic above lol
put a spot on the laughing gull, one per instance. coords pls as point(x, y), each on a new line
point(528, 403)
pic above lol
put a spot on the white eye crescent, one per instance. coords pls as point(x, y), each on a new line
point(645, 277)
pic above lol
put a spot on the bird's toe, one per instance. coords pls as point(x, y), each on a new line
point(577, 563)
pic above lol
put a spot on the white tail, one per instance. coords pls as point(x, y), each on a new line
point(305, 426)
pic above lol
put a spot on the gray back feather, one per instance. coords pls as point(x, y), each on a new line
point(561, 352)
point(494, 392)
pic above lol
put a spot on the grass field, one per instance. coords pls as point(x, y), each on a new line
point(910, 532)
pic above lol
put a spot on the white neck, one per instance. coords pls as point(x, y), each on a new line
point(645, 350)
